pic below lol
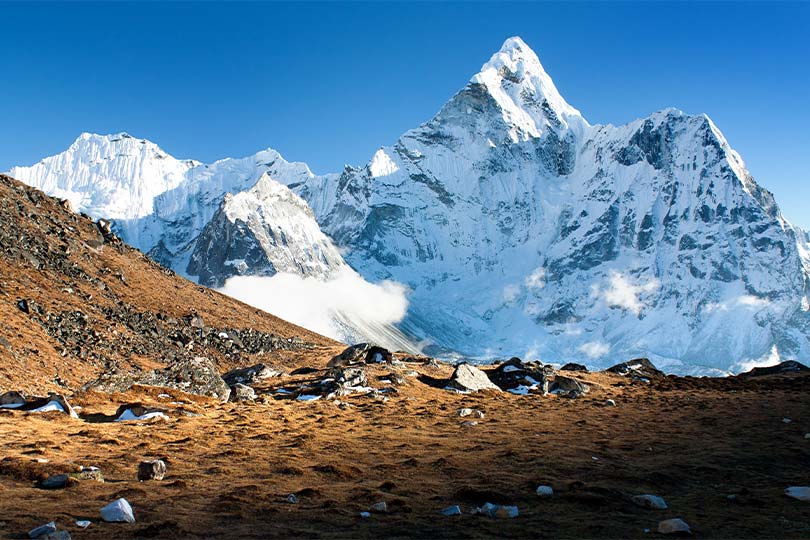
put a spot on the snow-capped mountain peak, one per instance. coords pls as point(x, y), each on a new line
point(528, 97)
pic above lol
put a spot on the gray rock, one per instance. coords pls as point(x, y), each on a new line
point(545, 491)
point(497, 511)
point(196, 376)
point(250, 375)
point(454, 510)
point(55, 481)
point(649, 501)
point(42, 530)
point(151, 470)
point(468, 378)
point(568, 387)
point(380, 507)
point(674, 526)
point(475, 413)
point(790, 366)
point(801, 493)
point(573, 367)
point(516, 373)
point(12, 400)
point(640, 367)
point(242, 392)
point(360, 353)
point(118, 511)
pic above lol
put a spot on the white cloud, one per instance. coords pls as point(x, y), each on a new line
point(594, 349)
point(744, 301)
point(345, 308)
point(537, 279)
point(624, 294)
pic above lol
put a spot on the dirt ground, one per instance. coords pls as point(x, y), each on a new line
point(231, 467)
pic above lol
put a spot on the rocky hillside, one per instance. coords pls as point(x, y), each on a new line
point(76, 301)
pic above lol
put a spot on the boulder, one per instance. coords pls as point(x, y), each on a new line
point(640, 367)
point(674, 526)
point(570, 366)
point(42, 530)
point(468, 378)
point(196, 375)
point(242, 392)
point(54, 402)
point(118, 511)
point(649, 501)
point(516, 375)
point(151, 470)
point(136, 411)
point(801, 493)
point(790, 366)
point(12, 400)
point(250, 375)
point(454, 510)
point(568, 387)
point(359, 354)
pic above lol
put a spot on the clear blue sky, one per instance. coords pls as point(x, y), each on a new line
point(329, 83)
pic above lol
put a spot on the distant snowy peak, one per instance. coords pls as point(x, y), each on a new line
point(527, 96)
point(263, 231)
point(117, 176)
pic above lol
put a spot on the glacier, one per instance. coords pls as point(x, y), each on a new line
point(517, 227)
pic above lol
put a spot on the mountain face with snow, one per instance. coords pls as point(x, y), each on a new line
point(518, 227)
point(264, 230)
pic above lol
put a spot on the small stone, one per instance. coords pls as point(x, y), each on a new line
point(292, 499)
point(674, 526)
point(475, 413)
point(151, 470)
point(786, 420)
point(90, 473)
point(649, 501)
point(807, 435)
point(42, 530)
point(55, 481)
point(545, 491)
point(801, 493)
point(380, 507)
point(610, 403)
point(118, 511)
point(497, 511)
point(365, 515)
point(83, 523)
point(469, 423)
point(454, 510)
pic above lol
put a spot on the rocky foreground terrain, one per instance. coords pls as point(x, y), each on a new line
point(120, 380)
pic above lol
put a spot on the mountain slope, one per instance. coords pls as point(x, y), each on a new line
point(520, 228)
point(74, 304)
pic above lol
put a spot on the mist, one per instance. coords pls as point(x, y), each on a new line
point(346, 308)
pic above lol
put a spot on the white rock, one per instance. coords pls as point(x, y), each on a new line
point(799, 492)
point(83, 523)
point(118, 511)
point(610, 403)
point(673, 526)
point(379, 507)
point(545, 491)
point(650, 501)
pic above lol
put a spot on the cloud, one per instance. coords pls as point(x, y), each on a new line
point(623, 294)
point(537, 279)
point(747, 301)
point(347, 307)
point(594, 349)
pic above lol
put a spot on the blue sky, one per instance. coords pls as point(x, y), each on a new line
point(329, 83)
